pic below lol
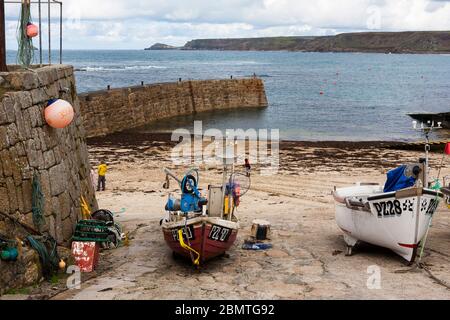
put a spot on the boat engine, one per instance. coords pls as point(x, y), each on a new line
point(191, 199)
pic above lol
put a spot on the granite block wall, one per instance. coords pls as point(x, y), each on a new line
point(114, 110)
point(29, 145)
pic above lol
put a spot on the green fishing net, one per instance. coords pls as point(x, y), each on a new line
point(25, 52)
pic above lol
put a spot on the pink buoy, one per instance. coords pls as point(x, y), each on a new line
point(58, 113)
point(32, 30)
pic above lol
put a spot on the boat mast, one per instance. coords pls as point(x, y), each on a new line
point(228, 170)
point(426, 129)
point(230, 192)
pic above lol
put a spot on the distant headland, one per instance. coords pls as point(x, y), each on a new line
point(161, 46)
point(381, 42)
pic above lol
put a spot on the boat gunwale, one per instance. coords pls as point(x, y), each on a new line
point(406, 193)
point(212, 220)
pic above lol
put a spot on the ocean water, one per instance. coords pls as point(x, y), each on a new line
point(364, 96)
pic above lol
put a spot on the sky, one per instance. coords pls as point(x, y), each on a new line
point(136, 24)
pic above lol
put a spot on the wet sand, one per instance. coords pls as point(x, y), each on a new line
point(307, 260)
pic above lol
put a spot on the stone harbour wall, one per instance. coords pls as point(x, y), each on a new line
point(29, 145)
point(114, 110)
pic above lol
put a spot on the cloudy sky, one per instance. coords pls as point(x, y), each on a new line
point(134, 24)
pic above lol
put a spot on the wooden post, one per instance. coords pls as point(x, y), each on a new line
point(3, 66)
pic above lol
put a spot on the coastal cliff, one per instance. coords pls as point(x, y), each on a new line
point(115, 110)
point(382, 42)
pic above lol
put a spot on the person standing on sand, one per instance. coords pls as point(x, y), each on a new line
point(102, 168)
point(248, 167)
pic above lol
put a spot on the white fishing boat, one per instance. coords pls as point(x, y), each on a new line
point(398, 219)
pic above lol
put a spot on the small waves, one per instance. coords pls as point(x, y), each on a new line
point(118, 68)
point(144, 67)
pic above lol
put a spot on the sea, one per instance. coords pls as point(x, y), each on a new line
point(312, 96)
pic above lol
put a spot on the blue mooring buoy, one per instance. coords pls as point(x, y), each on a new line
point(9, 254)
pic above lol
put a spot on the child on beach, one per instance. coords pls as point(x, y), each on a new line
point(102, 168)
point(248, 168)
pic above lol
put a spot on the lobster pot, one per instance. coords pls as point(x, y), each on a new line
point(260, 229)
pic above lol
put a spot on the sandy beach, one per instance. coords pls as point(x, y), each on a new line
point(307, 260)
point(224, 158)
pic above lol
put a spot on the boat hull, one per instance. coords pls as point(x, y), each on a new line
point(395, 220)
point(211, 237)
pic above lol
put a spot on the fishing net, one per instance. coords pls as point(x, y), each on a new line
point(46, 247)
point(37, 203)
point(25, 52)
point(243, 180)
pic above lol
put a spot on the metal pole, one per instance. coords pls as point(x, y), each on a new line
point(40, 33)
point(49, 36)
point(427, 157)
point(230, 194)
point(170, 173)
point(60, 32)
point(3, 66)
point(60, 28)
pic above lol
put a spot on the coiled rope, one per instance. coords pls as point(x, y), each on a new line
point(47, 255)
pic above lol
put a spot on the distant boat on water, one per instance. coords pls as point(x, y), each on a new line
point(443, 117)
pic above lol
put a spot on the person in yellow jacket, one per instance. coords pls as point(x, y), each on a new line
point(102, 168)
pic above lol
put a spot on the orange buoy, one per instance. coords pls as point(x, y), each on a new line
point(58, 113)
point(32, 30)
